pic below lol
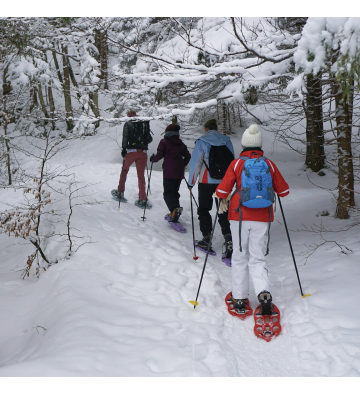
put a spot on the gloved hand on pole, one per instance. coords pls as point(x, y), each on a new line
point(223, 203)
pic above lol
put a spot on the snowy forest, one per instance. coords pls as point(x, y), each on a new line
point(91, 290)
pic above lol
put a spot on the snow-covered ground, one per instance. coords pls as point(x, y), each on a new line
point(119, 306)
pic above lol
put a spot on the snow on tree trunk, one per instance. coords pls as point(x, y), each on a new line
point(6, 92)
point(343, 114)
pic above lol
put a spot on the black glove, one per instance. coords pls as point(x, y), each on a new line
point(152, 157)
point(123, 152)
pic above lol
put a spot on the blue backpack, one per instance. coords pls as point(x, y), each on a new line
point(256, 189)
point(256, 183)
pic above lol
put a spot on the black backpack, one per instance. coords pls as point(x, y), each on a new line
point(139, 134)
point(220, 158)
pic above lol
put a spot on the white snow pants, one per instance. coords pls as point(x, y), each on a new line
point(251, 260)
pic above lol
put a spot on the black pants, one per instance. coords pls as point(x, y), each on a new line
point(171, 192)
point(206, 192)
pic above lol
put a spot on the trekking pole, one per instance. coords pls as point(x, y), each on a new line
point(147, 192)
point(195, 257)
point(191, 192)
point(195, 302)
point(291, 249)
point(147, 172)
point(122, 168)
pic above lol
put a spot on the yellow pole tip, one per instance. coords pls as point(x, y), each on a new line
point(304, 296)
point(194, 302)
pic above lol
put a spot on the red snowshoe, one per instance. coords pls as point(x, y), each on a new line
point(267, 326)
point(242, 314)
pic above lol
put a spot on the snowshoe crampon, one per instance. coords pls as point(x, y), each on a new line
point(204, 249)
point(267, 326)
point(141, 204)
point(116, 195)
point(176, 225)
point(243, 313)
point(227, 261)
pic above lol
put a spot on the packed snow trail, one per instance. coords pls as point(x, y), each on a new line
point(119, 306)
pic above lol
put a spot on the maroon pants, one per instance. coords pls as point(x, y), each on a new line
point(140, 159)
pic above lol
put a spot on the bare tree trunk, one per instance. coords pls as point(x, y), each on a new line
point(57, 68)
point(72, 77)
point(67, 91)
point(343, 114)
point(8, 165)
point(315, 153)
point(51, 105)
point(42, 102)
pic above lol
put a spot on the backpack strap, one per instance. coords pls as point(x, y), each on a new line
point(207, 167)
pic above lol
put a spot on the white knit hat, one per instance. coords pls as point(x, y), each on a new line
point(252, 137)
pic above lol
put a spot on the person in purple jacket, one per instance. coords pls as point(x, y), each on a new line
point(176, 157)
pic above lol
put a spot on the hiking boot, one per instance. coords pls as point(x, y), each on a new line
point(204, 243)
point(239, 304)
point(175, 215)
point(265, 299)
point(141, 204)
point(118, 196)
point(228, 246)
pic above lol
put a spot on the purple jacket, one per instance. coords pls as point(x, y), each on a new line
point(176, 157)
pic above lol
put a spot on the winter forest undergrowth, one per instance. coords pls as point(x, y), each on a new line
point(91, 290)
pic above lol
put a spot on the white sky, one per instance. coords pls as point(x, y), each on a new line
point(143, 8)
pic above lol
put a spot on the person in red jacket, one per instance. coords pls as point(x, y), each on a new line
point(254, 226)
point(176, 157)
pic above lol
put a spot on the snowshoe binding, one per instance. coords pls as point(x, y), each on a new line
point(176, 225)
point(118, 196)
point(227, 246)
point(175, 214)
point(203, 245)
point(267, 318)
point(238, 307)
point(141, 204)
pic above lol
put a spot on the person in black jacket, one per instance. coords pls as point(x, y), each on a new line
point(135, 142)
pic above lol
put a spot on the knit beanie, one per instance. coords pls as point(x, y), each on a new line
point(131, 113)
point(211, 124)
point(252, 137)
point(172, 128)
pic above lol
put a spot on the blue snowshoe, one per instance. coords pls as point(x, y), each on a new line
point(118, 196)
point(141, 204)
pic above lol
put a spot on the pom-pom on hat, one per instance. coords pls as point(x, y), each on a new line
point(172, 128)
point(252, 137)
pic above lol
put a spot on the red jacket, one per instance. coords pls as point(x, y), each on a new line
point(233, 174)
